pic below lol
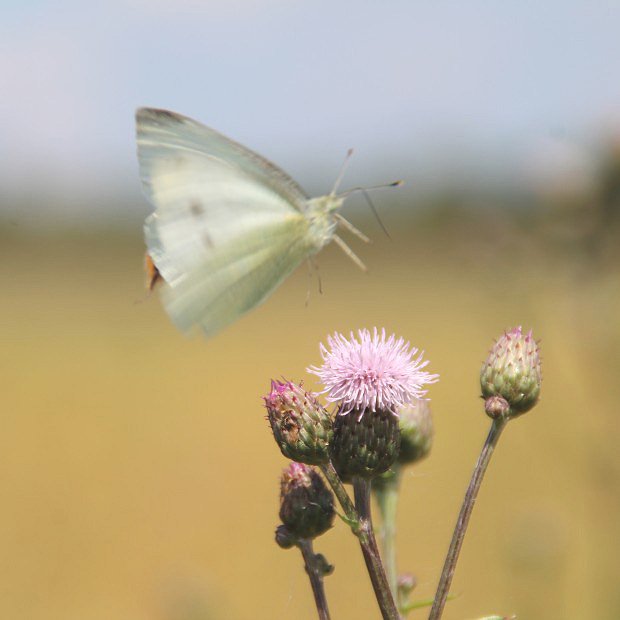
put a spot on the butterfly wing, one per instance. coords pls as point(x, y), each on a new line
point(228, 226)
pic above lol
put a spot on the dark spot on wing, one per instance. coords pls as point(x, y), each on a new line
point(158, 113)
point(196, 209)
point(178, 161)
point(206, 238)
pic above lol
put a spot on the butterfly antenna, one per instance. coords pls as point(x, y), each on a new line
point(365, 191)
point(348, 192)
point(375, 213)
point(343, 169)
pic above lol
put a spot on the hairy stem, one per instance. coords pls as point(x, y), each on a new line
point(370, 550)
point(316, 578)
point(341, 494)
point(461, 525)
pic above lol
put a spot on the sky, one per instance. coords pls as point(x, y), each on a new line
point(420, 89)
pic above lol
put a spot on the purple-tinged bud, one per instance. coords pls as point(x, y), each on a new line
point(301, 426)
point(416, 431)
point(496, 407)
point(306, 504)
point(511, 372)
point(404, 587)
point(364, 445)
point(406, 583)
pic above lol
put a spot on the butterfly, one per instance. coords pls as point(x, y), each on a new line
point(228, 226)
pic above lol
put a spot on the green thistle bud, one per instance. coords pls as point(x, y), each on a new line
point(364, 445)
point(301, 425)
point(511, 376)
point(306, 504)
point(416, 431)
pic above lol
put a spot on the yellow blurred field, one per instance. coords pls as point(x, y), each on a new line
point(140, 479)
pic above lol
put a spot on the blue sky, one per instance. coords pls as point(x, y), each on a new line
point(412, 86)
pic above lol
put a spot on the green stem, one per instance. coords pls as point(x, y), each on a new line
point(461, 525)
point(316, 578)
point(341, 494)
point(370, 550)
point(387, 499)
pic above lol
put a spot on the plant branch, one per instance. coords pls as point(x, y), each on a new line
point(315, 574)
point(341, 494)
point(461, 525)
point(370, 550)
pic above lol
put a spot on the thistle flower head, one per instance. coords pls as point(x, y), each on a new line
point(301, 426)
point(511, 376)
point(371, 372)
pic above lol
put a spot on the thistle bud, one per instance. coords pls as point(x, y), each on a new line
point(364, 445)
point(511, 376)
point(406, 583)
point(301, 426)
point(306, 504)
point(416, 431)
point(284, 537)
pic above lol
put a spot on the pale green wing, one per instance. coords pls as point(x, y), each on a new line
point(228, 226)
point(235, 281)
point(164, 129)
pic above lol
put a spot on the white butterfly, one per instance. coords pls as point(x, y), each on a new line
point(228, 225)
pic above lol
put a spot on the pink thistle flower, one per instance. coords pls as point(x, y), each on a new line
point(371, 372)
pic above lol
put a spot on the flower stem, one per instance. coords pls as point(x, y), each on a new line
point(316, 578)
point(387, 499)
point(461, 525)
point(341, 493)
point(370, 550)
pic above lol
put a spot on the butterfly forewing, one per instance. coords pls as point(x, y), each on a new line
point(228, 226)
point(160, 130)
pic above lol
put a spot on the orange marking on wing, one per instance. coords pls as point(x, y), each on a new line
point(152, 273)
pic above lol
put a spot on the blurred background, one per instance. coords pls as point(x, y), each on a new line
point(138, 474)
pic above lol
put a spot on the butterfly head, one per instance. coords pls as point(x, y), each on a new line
point(321, 214)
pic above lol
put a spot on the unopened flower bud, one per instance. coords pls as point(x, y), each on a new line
point(511, 372)
point(284, 537)
point(406, 583)
point(323, 567)
point(416, 431)
point(306, 504)
point(496, 407)
point(301, 425)
point(364, 445)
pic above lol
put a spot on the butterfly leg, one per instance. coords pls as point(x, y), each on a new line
point(314, 264)
point(312, 268)
point(350, 253)
point(348, 226)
